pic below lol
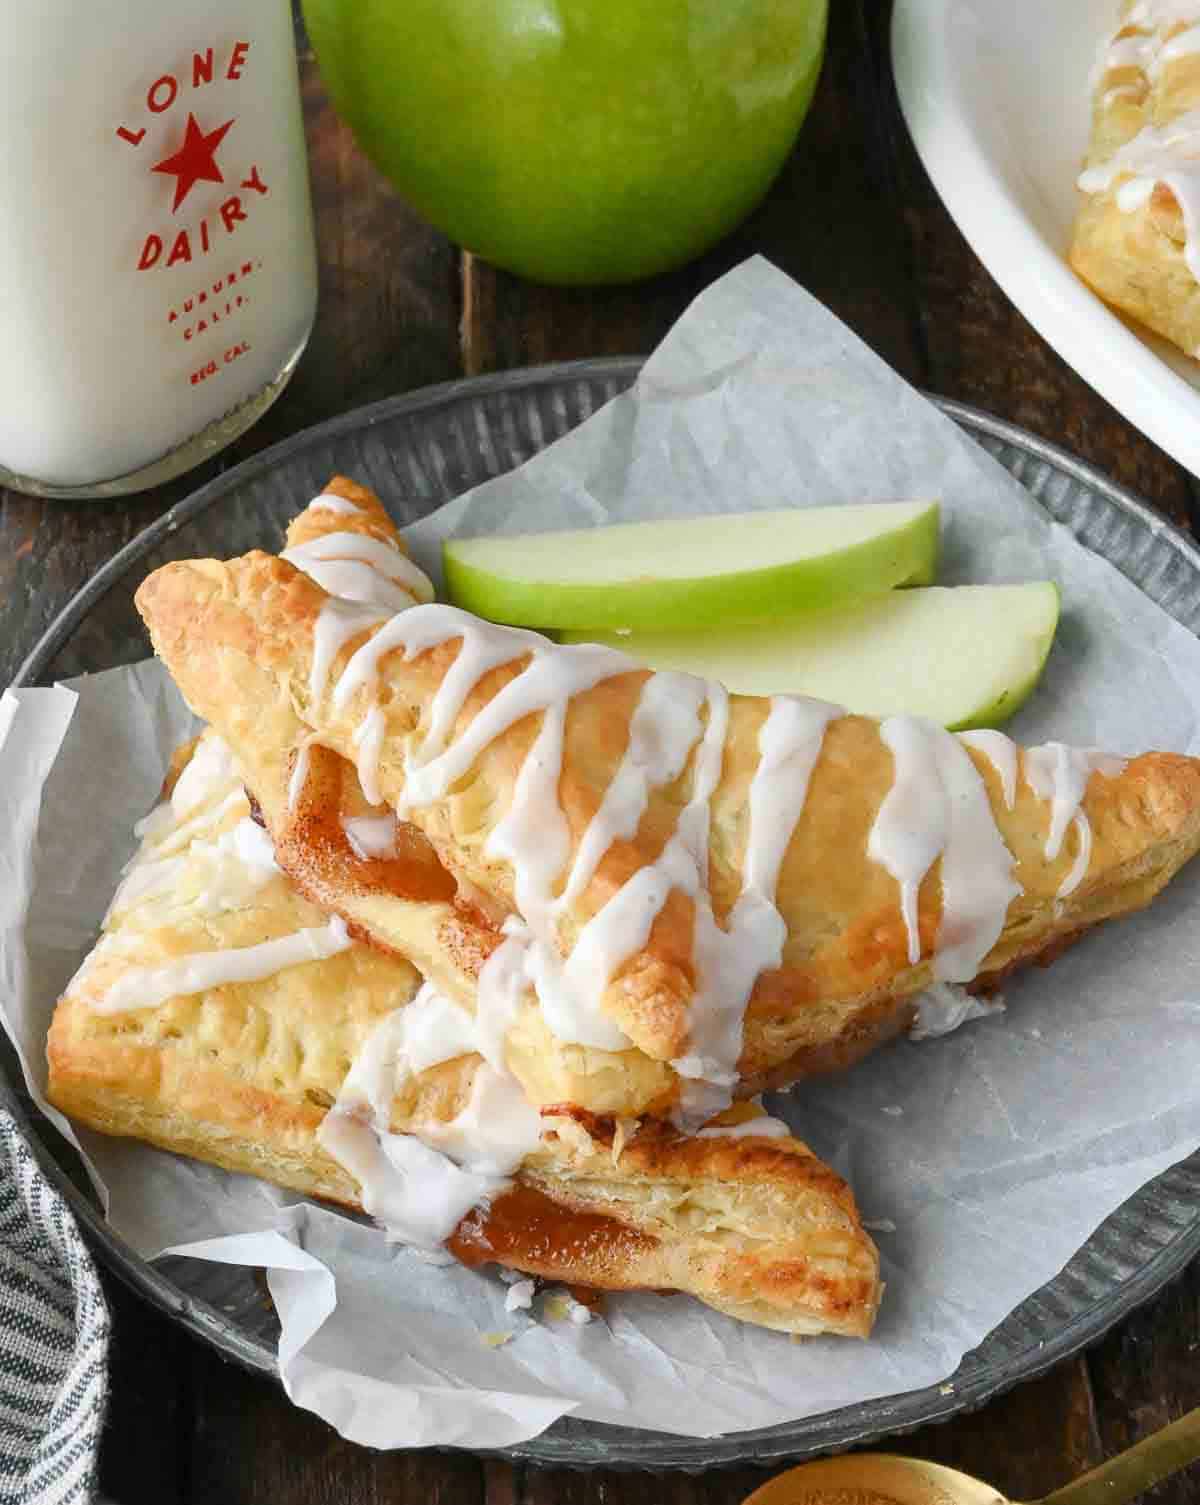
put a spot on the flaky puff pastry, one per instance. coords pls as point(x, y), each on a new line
point(243, 1075)
point(406, 903)
point(239, 638)
point(1141, 182)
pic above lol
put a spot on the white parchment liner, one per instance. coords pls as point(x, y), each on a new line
point(994, 1152)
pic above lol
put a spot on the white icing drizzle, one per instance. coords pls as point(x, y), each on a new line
point(226, 872)
point(144, 879)
point(209, 769)
point(547, 683)
point(251, 845)
point(1157, 154)
point(226, 869)
point(910, 827)
point(334, 558)
point(535, 840)
point(664, 729)
point(1083, 856)
point(352, 580)
point(1001, 753)
point(977, 869)
point(207, 772)
point(1060, 774)
point(371, 836)
point(938, 807)
point(417, 1193)
point(337, 622)
point(299, 775)
point(167, 835)
point(421, 1185)
point(944, 1006)
point(147, 987)
point(751, 1128)
point(533, 836)
point(328, 502)
point(499, 993)
point(482, 647)
point(1150, 41)
point(368, 740)
point(729, 960)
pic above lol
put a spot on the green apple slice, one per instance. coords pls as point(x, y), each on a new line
point(965, 657)
point(699, 571)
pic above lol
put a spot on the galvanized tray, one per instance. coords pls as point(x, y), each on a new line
point(417, 451)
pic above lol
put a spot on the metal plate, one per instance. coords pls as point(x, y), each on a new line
point(417, 451)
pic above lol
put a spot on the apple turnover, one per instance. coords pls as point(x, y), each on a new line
point(681, 895)
point(1135, 236)
point(223, 1016)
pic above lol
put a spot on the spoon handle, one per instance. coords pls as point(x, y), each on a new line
point(1138, 1468)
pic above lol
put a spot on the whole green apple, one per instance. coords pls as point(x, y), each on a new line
point(574, 141)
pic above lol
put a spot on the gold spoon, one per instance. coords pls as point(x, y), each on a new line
point(885, 1479)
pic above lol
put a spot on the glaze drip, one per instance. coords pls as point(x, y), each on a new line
point(421, 1185)
point(147, 987)
point(938, 807)
point(1060, 774)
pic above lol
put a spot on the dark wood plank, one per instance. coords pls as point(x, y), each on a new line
point(147, 1437)
point(1147, 1373)
point(830, 221)
point(251, 1446)
point(1027, 1442)
point(388, 309)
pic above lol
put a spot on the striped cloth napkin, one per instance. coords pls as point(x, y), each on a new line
point(53, 1339)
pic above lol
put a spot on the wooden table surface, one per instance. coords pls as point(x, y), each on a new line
point(854, 219)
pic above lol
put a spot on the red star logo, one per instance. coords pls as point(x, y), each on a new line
point(195, 161)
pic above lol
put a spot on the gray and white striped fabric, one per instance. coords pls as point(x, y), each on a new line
point(53, 1339)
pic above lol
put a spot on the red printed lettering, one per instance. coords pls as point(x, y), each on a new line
point(151, 251)
point(237, 59)
point(232, 212)
point(133, 137)
point(202, 68)
point(156, 100)
point(181, 250)
point(255, 182)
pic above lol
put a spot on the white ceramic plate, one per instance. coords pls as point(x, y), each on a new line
point(995, 93)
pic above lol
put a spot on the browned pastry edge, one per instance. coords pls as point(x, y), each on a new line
point(226, 629)
point(1135, 259)
point(785, 1250)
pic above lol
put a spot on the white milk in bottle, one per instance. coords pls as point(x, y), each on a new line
point(157, 266)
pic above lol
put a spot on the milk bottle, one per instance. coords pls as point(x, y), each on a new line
point(157, 267)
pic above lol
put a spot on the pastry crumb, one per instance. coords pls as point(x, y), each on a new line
point(561, 1306)
point(520, 1296)
point(496, 1340)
